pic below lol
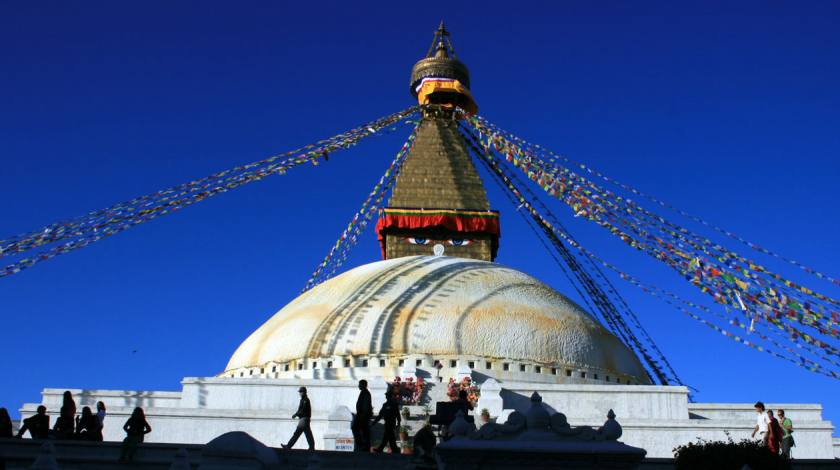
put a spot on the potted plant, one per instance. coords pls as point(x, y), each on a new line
point(407, 447)
point(406, 413)
point(403, 433)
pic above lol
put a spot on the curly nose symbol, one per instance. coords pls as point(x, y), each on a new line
point(438, 249)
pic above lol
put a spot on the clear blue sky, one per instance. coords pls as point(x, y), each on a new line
point(728, 112)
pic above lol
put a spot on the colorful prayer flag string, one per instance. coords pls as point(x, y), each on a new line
point(728, 277)
point(340, 250)
point(83, 231)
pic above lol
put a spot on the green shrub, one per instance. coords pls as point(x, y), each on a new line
point(726, 455)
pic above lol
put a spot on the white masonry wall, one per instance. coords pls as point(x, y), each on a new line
point(659, 418)
point(656, 418)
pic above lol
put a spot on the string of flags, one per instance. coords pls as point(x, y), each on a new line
point(653, 359)
point(553, 157)
point(804, 319)
point(349, 237)
point(69, 235)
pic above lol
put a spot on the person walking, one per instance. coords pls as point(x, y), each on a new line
point(38, 424)
point(774, 433)
point(136, 429)
point(787, 433)
point(88, 427)
point(361, 421)
point(304, 415)
point(390, 413)
point(5, 423)
point(761, 423)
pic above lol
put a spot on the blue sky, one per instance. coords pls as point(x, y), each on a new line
point(728, 111)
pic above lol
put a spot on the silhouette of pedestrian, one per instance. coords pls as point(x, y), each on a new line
point(424, 443)
point(304, 415)
point(38, 424)
point(65, 424)
point(136, 429)
point(464, 403)
point(390, 413)
point(88, 427)
point(100, 413)
point(5, 423)
point(361, 422)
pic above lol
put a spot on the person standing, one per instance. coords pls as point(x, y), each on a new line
point(774, 433)
point(5, 423)
point(361, 422)
point(38, 424)
point(761, 423)
point(304, 415)
point(65, 424)
point(136, 429)
point(390, 413)
point(100, 413)
point(787, 433)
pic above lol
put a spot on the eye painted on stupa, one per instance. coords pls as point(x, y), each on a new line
point(418, 240)
point(458, 242)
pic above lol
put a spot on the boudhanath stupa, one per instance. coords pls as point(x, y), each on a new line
point(437, 307)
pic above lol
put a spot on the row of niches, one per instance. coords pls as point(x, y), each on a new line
point(390, 367)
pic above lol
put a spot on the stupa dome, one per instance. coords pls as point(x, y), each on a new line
point(441, 310)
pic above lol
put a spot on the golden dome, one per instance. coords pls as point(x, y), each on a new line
point(443, 308)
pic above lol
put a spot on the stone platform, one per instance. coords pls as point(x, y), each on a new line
point(654, 418)
point(72, 455)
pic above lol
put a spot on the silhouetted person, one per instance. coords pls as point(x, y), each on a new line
point(5, 423)
point(304, 415)
point(100, 413)
point(136, 429)
point(361, 422)
point(38, 424)
point(390, 413)
point(463, 403)
point(424, 443)
point(65, 424)
point(88, 427)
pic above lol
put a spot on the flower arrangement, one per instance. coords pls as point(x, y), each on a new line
point(409, 390)
point(466, 384)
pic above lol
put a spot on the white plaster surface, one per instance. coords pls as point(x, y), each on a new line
point(656, 418)
point(437, 305)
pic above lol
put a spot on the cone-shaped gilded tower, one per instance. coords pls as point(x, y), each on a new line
point(439, 205)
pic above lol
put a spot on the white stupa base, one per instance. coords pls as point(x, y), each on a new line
point(655, 418)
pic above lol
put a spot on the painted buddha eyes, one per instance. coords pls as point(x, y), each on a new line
point(450, 242)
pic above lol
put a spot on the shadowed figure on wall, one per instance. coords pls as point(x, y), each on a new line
point(65, 424)
point(100, 413)
point(390, 414)
point(136, 429)
point(88, 426)
point(304, 415)
point(5, 423)
point(38, 424)
point(361, 421)
point(424, 444)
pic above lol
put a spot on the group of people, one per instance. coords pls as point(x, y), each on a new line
point(389, 413)
point(68, 425)
point(87, 426)
point(775, 432)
